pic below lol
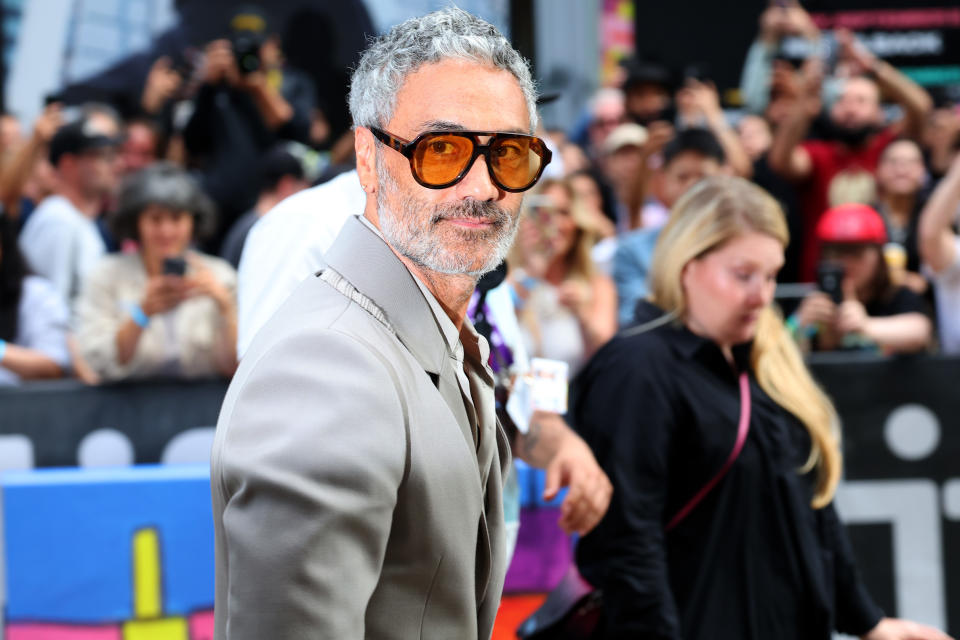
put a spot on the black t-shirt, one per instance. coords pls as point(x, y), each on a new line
point(902, 300)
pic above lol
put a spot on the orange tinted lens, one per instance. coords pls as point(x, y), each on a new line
point(516, 160)
point(438, 159)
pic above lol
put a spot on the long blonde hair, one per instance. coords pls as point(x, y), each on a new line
point(707, 216)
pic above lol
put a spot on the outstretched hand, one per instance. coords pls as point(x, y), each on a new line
point(590, 490)
point(897, 629)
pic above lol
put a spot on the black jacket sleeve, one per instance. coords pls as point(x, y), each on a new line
point(856, 612)
point(622, 408)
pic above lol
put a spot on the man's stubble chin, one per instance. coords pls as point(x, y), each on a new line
point(434, 243)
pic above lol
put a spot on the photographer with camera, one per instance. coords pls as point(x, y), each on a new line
point(857, 305)
point(246, 102)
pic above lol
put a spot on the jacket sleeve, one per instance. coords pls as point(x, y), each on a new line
point(99, 316)
point(306, 468)
point(855, 611)
point(623, 410)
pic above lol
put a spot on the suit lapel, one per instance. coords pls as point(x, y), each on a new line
point(366, 261)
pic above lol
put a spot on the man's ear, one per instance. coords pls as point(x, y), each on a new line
point(365, 146)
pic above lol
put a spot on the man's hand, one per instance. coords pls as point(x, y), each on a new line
point(573, 465)
point(220, 65)
point(47, 123)
point(860, 59)
point(896, 629)
point(163, 82)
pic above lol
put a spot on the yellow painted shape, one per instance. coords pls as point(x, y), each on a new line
point(162, 629)
point(147, 596)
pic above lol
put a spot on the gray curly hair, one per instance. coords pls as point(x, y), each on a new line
point(166, 185)
point(441, 35)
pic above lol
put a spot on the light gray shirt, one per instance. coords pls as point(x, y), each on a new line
point(61, 244)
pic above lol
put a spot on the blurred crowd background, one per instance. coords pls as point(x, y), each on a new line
point(127, 193)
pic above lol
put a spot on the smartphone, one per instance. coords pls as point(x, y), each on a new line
point(830, 280)
point(176, 266)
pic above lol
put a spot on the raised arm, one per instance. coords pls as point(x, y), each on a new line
point(787, 156)
point(937, 241)
point(914, 100)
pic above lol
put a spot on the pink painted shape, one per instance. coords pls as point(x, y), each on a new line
point(201, 626)
point(61, 632)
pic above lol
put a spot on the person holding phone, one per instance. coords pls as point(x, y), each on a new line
point(857, 304)
point(165, 310)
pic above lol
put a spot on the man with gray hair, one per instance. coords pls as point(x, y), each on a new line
point(358, 465)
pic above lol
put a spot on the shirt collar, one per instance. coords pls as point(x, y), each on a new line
point(689, 345)
point(460, 343)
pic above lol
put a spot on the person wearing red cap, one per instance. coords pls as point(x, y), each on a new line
point(862, 307)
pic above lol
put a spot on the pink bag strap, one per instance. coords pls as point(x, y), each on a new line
point(742, 430)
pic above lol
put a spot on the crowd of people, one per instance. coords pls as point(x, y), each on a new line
point(84, 184)
point(646, 259)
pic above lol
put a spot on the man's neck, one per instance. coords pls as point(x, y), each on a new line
point(89, 206)
point(266, 202)
point(899, 206)
point(453, 292)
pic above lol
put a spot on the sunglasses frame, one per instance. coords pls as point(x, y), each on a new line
point(407, 147)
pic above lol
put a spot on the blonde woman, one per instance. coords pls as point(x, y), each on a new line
point(722, 450)
point(565, 305)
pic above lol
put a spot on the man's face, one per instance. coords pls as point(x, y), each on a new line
point(99, 171)
point(469, 227)
point(139, 148)
point(608, 114)
point(858, 106)
point(685, 170)
point(647, 101)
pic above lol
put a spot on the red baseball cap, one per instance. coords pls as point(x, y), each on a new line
point(852, 223)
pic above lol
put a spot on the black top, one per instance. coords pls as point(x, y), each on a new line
point(753, 560)
point(901, 300)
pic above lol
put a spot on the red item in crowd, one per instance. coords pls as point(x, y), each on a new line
point(852, 223)
point(829, 159)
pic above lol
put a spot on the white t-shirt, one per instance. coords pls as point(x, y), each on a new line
point(286, 246)
point(947, 284)
point(61, 244)
point(42, 323)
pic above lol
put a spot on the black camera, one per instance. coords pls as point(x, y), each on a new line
point(830, 280)
point(246, 50)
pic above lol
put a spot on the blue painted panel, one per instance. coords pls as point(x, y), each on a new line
point(69, 536)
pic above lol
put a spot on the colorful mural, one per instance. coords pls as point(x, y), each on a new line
point(119, 554)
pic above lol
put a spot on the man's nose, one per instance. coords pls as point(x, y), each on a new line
point(478, 184)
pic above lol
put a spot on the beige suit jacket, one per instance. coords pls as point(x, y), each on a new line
point(350, 499)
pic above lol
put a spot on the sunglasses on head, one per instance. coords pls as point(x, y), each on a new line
point(441, 159)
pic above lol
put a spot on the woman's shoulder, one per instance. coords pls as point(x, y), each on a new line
point(644, 344)
point(901, 300)
point(220, 267)
point(113, 264)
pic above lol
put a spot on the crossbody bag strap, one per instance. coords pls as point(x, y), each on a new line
point(743, 428)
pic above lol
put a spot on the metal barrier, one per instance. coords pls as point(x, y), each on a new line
point(900, 497)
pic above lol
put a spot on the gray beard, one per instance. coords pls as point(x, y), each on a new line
point(414, 235)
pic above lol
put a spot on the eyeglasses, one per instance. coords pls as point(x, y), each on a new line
point(441, 159)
